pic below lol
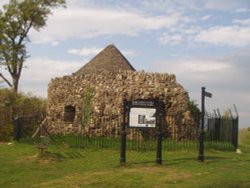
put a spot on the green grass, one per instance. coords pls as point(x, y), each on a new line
point(62, 166)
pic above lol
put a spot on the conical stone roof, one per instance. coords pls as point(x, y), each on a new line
point(109, 59)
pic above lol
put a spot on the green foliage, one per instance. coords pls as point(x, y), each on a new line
point(193, 108)
point(16, 20)
point(86, 106)
point(6, 133)
point(19, 105)
point(7, 104)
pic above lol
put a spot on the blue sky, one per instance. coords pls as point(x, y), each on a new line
point(204, 43)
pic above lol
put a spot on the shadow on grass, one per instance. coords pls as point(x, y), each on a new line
point(74, 155)
point(207, 159)
point(63, 156)
point(214, 159)
point(140, 162)
point(52, 156)
point(174, 160)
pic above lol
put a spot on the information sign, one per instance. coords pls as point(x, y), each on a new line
point(142, 113)
point(142, 117)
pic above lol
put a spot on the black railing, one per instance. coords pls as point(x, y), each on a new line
point(25, 126)
point(223, 130)
point(178, 133)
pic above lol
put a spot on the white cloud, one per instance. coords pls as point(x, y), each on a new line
point(179, 35)
point(194, 66)
point(172, 39)
point(55, 43)
point(191, 30)
point(204, 18)
point(242, 21)
point(173, 5)
point(85, 51)
point(226, 4)
point(45, 68)
point(225, 35)
point(128, 52)
point(94, 51)
point(40, 71)
point(242, 10)
point(92, 22)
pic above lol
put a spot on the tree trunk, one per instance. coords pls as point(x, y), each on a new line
point(15, 83)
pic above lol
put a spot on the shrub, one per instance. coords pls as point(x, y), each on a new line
point(14, 105)
point(6, 133)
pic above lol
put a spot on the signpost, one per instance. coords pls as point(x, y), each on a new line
point(143, 114)
point(204, 94)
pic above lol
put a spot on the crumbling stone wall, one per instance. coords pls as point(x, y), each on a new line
point(108, 90)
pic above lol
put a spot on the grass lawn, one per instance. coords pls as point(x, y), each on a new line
point(61, 166)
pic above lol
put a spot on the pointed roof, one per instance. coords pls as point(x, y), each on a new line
point(109, 59)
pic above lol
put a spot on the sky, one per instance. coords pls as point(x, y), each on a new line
point(205, 43)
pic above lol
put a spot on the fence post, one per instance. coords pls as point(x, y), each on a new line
point(236, 131)
point(17, 129)
point(201, 138)
point(236, 128)
point(123, 135)
point(159, 132)
point(217, 125)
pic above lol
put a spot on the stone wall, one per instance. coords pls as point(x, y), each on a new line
point(106, 92)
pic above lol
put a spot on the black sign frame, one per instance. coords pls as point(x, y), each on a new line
point(159, 114)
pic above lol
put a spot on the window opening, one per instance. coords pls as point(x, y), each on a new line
point(69, 114)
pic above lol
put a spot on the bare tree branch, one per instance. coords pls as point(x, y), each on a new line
point(5, 79)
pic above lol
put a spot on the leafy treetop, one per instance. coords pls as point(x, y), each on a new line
point(16, 20)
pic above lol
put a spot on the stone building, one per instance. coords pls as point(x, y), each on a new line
point(80, 102)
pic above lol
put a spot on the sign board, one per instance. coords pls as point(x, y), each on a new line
point(207, 94)
point(143, 103)
point(142, 117)
point(142, 114)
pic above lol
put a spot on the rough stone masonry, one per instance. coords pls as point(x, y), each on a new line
point(99, 94)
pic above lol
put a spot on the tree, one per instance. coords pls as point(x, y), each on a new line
point(30, 109)
point(16, 20)
point(193, 107)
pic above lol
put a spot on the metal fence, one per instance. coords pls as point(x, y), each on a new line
point(24, 127)
point(105, 132)
point(220, 134)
